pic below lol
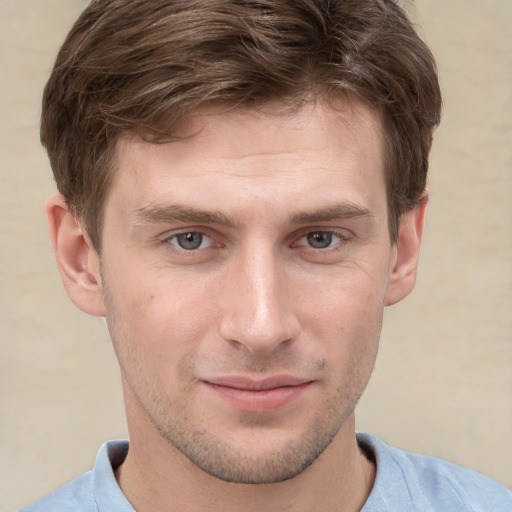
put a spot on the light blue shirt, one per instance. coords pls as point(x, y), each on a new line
point(405, 482)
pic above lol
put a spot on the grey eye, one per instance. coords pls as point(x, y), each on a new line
point(320, 239)
point(189, 241)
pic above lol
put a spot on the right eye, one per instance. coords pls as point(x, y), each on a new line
point(190, 240)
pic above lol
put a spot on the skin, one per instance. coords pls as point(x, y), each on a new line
point(253, 253)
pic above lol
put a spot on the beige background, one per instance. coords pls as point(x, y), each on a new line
point(443, 383)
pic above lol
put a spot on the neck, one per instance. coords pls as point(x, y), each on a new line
point(156, 477)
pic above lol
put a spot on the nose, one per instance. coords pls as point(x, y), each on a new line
point(258, 310)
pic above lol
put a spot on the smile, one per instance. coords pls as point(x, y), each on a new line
point(258, 396)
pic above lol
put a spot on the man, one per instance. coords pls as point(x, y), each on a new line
point(242, 192)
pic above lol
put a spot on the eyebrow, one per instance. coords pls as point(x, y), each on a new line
point(334, 212)
point(176, 212)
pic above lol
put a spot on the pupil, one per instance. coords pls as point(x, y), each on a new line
point(320, 239)
point(190, 241)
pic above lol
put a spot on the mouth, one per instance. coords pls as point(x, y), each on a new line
point(258, 395)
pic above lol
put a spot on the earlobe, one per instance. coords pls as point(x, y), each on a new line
point(78, 262)
point(403, 274)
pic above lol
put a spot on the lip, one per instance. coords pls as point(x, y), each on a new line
point(258, 395)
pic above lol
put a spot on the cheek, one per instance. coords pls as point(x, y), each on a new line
point(346, 313)
point(157, 299)
point(351, 294)
point(155, 323)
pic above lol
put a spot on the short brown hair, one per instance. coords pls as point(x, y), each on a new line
point(141, 66)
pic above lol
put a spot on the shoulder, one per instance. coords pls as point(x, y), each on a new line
point(75, 496)
point(94, 491)
point(407, 481)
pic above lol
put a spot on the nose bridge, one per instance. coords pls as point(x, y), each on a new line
point(258, 313)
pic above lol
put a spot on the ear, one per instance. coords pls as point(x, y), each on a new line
point(78, 262)
point(406, 253)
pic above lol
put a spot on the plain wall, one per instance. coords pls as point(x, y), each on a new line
point(443, 381)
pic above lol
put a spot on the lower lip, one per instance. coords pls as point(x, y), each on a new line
point(258, 401)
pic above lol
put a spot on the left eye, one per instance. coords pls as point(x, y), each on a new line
point(190, 240)
point(320, 239)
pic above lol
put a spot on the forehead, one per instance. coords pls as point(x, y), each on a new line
point(274, 148)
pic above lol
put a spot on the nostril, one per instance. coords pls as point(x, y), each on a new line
point(259, 336)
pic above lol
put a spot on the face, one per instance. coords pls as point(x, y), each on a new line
point(244, 272)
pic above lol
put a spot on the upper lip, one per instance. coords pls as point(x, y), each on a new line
point(252, 384)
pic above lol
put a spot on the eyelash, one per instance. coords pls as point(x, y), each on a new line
point(330, 234)
point(203, 235)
